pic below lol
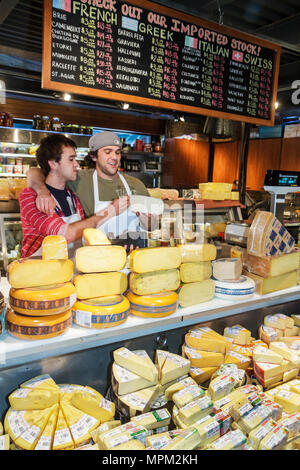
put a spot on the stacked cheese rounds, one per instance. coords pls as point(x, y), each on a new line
point(41, 294)
point(47, 416)
point(153, 281)
point(195, 273)
point(100, 284)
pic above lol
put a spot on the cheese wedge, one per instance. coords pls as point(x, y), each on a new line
point(243, 362)
point(99, 259)
point(194, 272)
point(238, 334)
point(44, 382)
point(266, 370)
point(201, 341)
point(94, 236)
point(79, 423)
point(46, 439)
point(268, 334)
point(277, 320)
point(196, 410)
point(197, 252)
point(261, 354)
point(201, 375)
point(288, 400)
point(36, 272)
point(221, 386)
point(94, 285)
point(103, 410)
point(62, 439)
point(194, 293)
point(33, 399)
point(200, 358)
point(123, 381)
point(266, 285)
point(138, 365)
point(186, 395)
point(173, 367)
point(227, 269)
point(154, 282)
point(154, 259)
point(179, 384)
point(270, 266)
point(54, 247)
point(138, 402)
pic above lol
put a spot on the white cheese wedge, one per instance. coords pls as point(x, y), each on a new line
point(287, 353)
point(261, 354)
point(138, 365)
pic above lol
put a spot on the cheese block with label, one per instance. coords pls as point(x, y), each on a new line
point(196, 410)
point(204, 340)
point(226, 269)
point(4, 442)
point(287, 353)
point(201, 375)
point(254, 418)
point(62, 438)
point(276, 437)
point(270, 266)
point(261, 354)
point(172, 367)
point(196, 271)
point(141, 366)
point(257, 434)
point(153, 305)
point(266, 285)
point(154, 259)
point(154, 282)
point(191, 253)
point(189, 439)
point(33, 399)
point(231, 440)
point(45, 300)
point(153, 419)
point(122, 436)
point(290, 401)
point(187, 394)
point(277, 320)
point(194, 293)
point(243, 362)
point(268, 237)
point(200, 358)
point(123, 381)
point(79, 423)
point(101, 312)
point(238, 334)
point(221, 386)
point(26, 426)
point(54, 247)
point(94, 236)
point(28, 272)
point(94, 285)
point(41, 381)
point(103, 410)
point(266, 370)
point(179, 384)
point(46, 438)
point(36, 328)
point(268, 334)
point(100, 258)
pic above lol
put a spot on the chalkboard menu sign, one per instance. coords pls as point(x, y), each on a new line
point(144, 53)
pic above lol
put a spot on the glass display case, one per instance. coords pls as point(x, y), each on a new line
point(11, 239)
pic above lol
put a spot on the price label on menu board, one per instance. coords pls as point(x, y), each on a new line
point(152, 55)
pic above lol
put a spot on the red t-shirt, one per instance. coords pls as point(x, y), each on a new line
point(36, 225)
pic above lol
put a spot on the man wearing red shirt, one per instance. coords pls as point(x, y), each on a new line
point(56, 156)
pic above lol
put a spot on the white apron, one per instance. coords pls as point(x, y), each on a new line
point(126, 222)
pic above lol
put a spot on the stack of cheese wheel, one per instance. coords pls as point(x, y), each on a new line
point(153, 280)
point(47, 416)
point(271, 260)
point(195, 273)
point(41, 294)
point(100, 283)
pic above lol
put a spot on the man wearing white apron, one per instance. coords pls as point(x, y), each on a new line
point(56, 156)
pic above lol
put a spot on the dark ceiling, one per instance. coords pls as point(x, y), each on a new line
point(21, 27)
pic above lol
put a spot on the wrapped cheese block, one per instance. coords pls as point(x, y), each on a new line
point(266, 285)
point(270, 266)
point(268, 237)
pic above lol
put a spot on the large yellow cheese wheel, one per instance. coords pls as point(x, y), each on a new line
point(153, 306)
point(101, 312)
point(100, 258)
point(147, 260)
point(29, 272)
point(45, 300)
point(35, 328)
point(100, 284)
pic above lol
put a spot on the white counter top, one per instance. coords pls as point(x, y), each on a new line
point(14, 351)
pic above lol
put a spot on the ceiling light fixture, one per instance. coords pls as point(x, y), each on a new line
point(276, 104)
point(125, 105)
point(67, 97)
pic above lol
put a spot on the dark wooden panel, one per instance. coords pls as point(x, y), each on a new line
point(89, 117)
point(226, 162)
point(185, 163)
point(290, 154)
point(264, 154)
